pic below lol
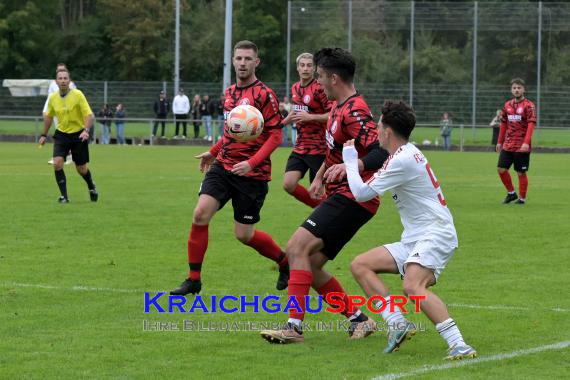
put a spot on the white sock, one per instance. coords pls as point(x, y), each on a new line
point(355, 315)
point(393, 318)
point(450, 332)
point(296, 322)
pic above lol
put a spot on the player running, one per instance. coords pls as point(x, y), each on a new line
point(310, 113)
point(517, 125)
point(429, 238)
point(337, 219)
point(238, 171)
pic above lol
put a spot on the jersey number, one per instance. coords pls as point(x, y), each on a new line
point(435, 185)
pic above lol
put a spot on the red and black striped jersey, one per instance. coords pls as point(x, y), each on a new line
point(310, 136)
point(517, 117)
point(350, 120)
point(232, 152)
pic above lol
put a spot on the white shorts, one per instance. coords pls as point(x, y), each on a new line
point(433, 254)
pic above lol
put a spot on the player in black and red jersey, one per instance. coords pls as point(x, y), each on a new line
point(238, 171)
point(309, 113)
point(337, 219)
point(514, 144)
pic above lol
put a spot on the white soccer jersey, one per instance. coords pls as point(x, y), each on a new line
point(418, 196)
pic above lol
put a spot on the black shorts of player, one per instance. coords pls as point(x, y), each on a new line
point(521, 160)
point(65, 142)
point(336, 221)
point(247, 194)
point(303, 162)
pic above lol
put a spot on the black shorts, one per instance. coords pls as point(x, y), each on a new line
point(247, 194)
point(336, 221)
point(303, 162)
point(520, 159)
point(65, 142)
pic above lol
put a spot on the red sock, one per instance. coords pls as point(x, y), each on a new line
point(506, 179)
point(299, 285)
point(303, 195)
point(263, 243)
point(197, 246)
point(523, 185)
point(334, 286)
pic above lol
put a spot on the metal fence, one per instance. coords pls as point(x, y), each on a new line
point(354, 23)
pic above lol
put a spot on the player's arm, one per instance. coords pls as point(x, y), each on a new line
point(531, 118)
point(316, 190)
point(304, 117)
point(47, 124)
point(361, 191)
point(274, 140)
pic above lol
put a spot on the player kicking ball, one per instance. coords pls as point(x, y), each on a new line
point(429, 238)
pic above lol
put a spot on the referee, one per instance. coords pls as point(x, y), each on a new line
point(75, 119)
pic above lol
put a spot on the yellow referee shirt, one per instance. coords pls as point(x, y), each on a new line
point(70, 110)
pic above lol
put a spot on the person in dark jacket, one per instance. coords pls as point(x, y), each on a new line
point(161, 107)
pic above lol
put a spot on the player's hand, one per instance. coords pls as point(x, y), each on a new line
point(301, 117)
point(241, 168)
point(206, 160)
point(524, 148)
point(498, 148)
point(349, 143)
point(317, 190)
point(335, 173)
point(84, 135)
point(42, 140)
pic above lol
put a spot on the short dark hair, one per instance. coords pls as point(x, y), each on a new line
point(62, 70)
point(336, 61)
point(400, 117)
point(518, 81)
point(245, 44)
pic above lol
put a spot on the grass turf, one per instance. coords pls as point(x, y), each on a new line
point(72, 277)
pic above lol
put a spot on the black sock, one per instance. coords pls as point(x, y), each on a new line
point(361, 318)
point(89, 180)
point(61, 182)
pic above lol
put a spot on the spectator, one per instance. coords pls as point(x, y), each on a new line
point(181, 109)
point(445, 126)
point(220, 115)
point(495, 123)
point(120, 123)
point(105, 118)
point(195, 110)
point(284, 114)
point(206, 110)
point(161, 112)
point(287, 107)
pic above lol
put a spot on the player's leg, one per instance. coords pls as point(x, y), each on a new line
point(299, 249)
point(386, 259)
point(248, 196)
point(325, 283)
point(61, 146)
point(417, 280)
point(522, 161)
point(295, 170)
point(80, 154)
point(505, 161)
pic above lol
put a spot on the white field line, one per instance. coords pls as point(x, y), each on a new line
point(116, 290)
point(468, 362)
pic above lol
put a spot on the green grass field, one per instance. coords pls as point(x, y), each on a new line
point(73, 277)
point(481, 136)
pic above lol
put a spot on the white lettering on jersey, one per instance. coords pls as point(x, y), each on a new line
point(515, 117)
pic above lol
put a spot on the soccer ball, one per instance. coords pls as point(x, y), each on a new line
point(245, 123)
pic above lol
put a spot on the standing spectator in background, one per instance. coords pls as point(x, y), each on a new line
point(220, 115)
point(195, 110)
point(120, 123)
point(495, 123)
point(51, 89)
point(287, 106)
point(161, 112)
point(206, 110)
point(105, 116)
point(514, 143)
point(445, 126)
point(180, 109)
